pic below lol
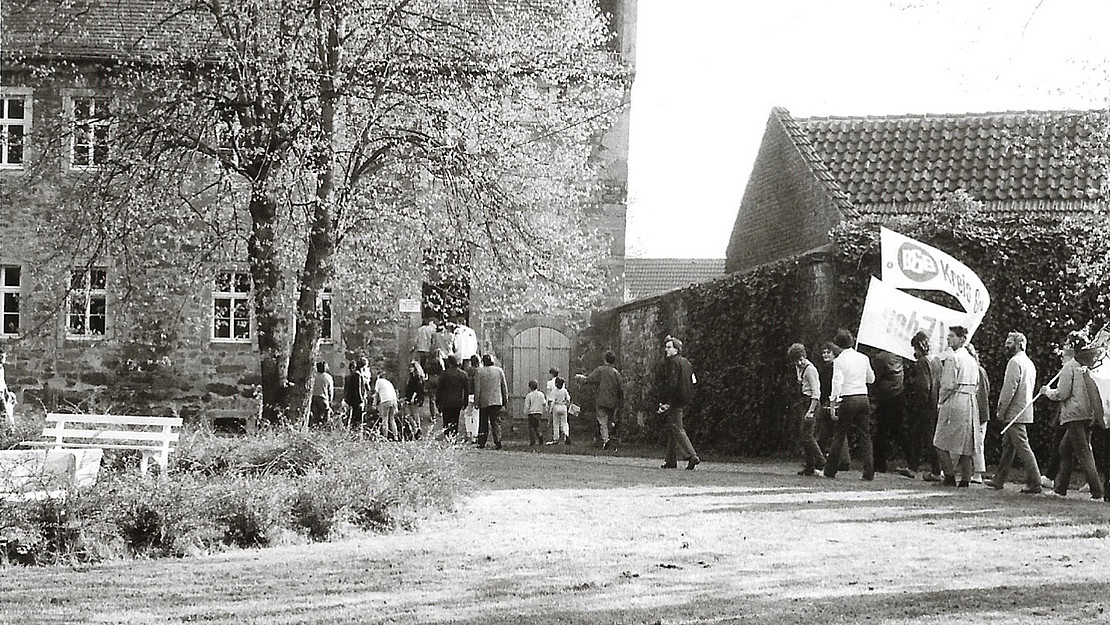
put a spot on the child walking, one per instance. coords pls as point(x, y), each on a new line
point(560, 402)
point(534, 403)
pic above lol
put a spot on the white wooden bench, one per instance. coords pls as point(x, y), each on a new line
point(153, 436)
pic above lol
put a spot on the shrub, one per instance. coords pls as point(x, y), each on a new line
point(236, 492)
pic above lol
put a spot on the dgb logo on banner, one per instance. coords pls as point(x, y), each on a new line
point(916, 263)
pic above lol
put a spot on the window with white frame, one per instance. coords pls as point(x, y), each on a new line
point(91, 129)
point(10, 283)
point(231, 312)
point(88, 303)
point(15, 125)
point(325, 315)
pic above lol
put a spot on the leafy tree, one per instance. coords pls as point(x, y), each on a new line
point(333, 142)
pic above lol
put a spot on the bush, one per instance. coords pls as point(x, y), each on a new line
point(237, 492)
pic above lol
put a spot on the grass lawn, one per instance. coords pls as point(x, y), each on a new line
point(556, 537)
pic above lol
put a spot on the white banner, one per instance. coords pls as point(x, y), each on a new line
point(911, 264)
point(891, 318)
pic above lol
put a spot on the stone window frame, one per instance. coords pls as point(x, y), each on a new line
point(8, 94)
point(70, 102)
point(236, 300)
point(8, 293)
point(88, 286)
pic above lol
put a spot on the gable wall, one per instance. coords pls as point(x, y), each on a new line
point(785, 209)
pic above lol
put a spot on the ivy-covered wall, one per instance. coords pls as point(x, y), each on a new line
point(1046, 277)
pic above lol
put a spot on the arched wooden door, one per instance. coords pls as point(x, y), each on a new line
point(535, 351)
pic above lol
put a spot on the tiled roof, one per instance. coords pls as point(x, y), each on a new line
point(1025, 158)
point(645, 277)
point(130, 29)
point(91, 29)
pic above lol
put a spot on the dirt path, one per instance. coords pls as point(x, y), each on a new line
point(550, 538)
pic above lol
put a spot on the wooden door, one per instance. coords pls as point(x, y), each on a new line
point(535, 351)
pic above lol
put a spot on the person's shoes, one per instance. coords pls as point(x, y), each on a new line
point(497, 446)
point(668, 465)
point(1047, 482)
point(1051, 494)
point(531, 444)
point(976, 479)
point(692, 462)
point(948, 481)
point(479, 447)
point(551, 443)
point(963, 484)
point(867, 478)
point(931, 477)
point(567, 441)
point(804, 472)
point(1031, 491)
point(992, 484)
point(905, 472)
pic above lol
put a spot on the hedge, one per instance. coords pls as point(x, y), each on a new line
point(1046, 276)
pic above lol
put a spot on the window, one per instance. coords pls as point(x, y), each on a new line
point(91, 124)
point(231, 312)
point(325, 315)
point(9, 300)
point(88, 303)
point(15, 124)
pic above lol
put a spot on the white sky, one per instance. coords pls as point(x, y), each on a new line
point(709, 72)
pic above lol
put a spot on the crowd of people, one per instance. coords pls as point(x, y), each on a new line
point(935, 410)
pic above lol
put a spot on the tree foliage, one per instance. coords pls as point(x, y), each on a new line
point(331, 143)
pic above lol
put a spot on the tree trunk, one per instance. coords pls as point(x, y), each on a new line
point(319, 264)
point(272, 324)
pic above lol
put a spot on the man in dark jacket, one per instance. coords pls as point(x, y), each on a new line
point(452, 395)
point(676, 390)
point(608, 394)
point(922, 384)
point(889, 401)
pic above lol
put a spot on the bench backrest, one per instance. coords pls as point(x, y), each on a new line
point(91, 429)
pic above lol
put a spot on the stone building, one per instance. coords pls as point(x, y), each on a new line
point(97, 343)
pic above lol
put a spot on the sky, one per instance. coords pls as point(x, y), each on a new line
point(708, 73)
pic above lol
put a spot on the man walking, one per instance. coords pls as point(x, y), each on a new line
point(1016, 400)
point(452, 396)
point(888, 393)
point(676, 390)
point(922, 382)
point(851, 374)
point(490, 393)
point(608, 394)
point(805, 408)
point(323, 391)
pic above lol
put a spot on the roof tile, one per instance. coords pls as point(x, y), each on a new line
point(911, 158)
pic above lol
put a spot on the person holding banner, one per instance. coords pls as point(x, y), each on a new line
point(851, 374)
point(922, 396)
point(888, 394)
point(1015, 403)
point(1075, 416)
point(958, 408)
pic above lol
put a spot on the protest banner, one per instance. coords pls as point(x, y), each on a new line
point(911, 264)
point(891, 318)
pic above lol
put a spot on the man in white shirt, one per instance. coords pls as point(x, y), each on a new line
point(466, 342)
point(851, 374)
point(386, 397)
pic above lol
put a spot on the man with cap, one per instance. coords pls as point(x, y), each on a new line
point(676, 390)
